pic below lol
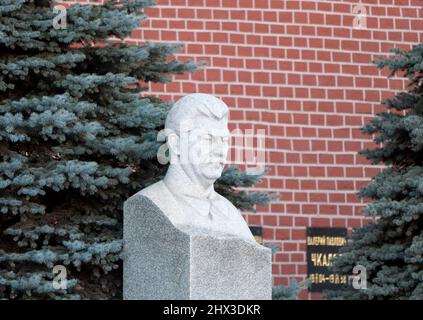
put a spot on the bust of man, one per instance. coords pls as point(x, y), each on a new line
point(197, 139)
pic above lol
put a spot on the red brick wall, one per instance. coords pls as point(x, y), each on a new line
point(299, 70)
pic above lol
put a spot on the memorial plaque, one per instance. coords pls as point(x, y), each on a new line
point(322, 245)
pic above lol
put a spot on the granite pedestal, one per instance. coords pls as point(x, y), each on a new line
point(164, 261)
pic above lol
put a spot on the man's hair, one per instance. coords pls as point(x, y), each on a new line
point(190, 107)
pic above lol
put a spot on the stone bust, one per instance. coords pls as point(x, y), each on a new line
point(197, 139)
point(182, 240)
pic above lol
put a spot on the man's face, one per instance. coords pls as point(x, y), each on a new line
point(205, 151)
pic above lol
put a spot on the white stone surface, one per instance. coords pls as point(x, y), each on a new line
point(182, 240)
point(165, 263)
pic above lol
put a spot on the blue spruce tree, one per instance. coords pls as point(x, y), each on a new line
point(391, 247)
point(76, 140)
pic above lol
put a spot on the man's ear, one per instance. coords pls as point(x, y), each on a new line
point(173, 143)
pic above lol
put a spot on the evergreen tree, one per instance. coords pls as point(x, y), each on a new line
point(76, 140)
point(289, 292)
point(391, 246)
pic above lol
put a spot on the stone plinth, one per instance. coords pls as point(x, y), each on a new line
point(162, 261)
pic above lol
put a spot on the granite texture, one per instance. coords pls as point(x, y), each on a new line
point(229, 269)
point(156, 259)
point(162, 261)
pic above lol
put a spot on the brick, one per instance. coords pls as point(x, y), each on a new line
point(299, 234)
point(320, 222)
point(301, 222)
point(282, 234)
point(270, 220)
point(288, 269)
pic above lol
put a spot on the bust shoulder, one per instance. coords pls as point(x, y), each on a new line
point(161, 196)
point(229, 205)
point(156, 190)
point(234, 219)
